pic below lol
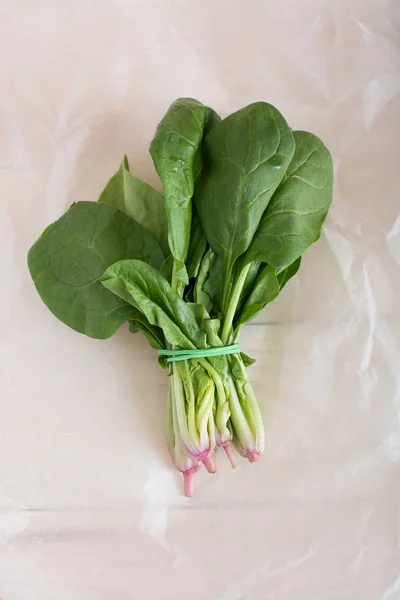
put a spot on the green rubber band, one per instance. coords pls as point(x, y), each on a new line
point(178, 355)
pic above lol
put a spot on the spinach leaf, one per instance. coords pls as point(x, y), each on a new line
point(146, 289)
point(154, 335)
point(286, 274)
point(265, 289)
point(69, 258)
point(246, 156)
point(139, 201)
point(294, 217)
point(176, 153)
point(247, 360)
point(166, 267)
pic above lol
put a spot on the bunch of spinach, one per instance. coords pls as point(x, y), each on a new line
point(243, 198)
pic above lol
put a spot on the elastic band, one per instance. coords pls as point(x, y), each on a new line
point(177, 355)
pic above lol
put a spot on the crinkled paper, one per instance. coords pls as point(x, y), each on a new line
point(90, 506)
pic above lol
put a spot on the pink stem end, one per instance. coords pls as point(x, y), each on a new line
point(188, 483)
point(253, 455)
point(229, 452)
point(209, 463)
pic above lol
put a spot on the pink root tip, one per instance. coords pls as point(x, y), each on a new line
point(209, 463)
point(253, 455)
point(188, 483)
point(229, 453)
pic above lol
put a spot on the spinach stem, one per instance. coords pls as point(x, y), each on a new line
point(179, 407)
point(215, 377)
point(190, 398)
point(250, 406)
point(226, 285)
point(233, 302)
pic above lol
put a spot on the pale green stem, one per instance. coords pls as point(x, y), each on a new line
point(203, 414)
point(225, 286)
point(170, 420)
point(215, 377)
point(179, 405)
point(211, 429)
point(223, 412)
point(244, 406)
point(242, 429)
point(232, 305)
point(188, 386)
point(251, 409)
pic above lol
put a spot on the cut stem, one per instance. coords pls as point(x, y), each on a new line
point(229, 452)
point(208, 462)
point(188, 483)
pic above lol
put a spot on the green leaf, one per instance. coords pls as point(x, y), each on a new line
point(154, 335)
point(188, 292)
point(139, 201)
point(69, 258)
point(286, 274)
point(246, 156)
point(166, 267)
point(146, 289)
point(265, 289)
point(176, 153)
point(294, 217)
point(247, 360)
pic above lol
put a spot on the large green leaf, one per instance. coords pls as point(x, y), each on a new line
point(294, 217)
point(147, 290)
point(139, 201)
point(245, 158)
point(176, 153)
point(69, 258)
point(265, 289)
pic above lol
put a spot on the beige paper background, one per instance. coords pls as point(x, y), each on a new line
point(90, 506)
